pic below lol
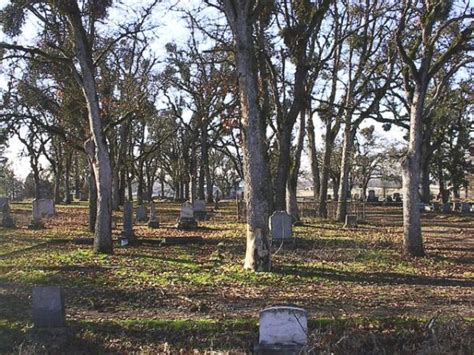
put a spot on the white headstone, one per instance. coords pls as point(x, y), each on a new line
point(187, 210)
point(283, 325)
point(281, 225)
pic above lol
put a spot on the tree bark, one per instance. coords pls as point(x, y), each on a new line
point(258, 253)
point(92, 200)
point(413, 241)
point(349, 135)
point(314, 159)
point(323, 193)
point(96, 147)
point(67, 179)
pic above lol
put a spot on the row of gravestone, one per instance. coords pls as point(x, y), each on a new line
point(41, 208)
point(462, 207)
point(282, 328)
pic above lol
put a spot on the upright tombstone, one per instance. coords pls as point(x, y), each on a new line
point(281, 226)
point(127, 237)
point(142, 214)
point(45, 207)
point(351, 221)
point(48, 307)
point(36, 222)
point(446, 208)
point(7, 220)
point(397, 197)
point(186, 219)
point(153, 222)
point(200, 212)
point(282, 330)
point(372, 197)
point(465, 207)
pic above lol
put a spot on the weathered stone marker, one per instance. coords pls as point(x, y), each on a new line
point(128, 236)
point(282, 330)
point(186, 219)
point(48, 307)
point(372, 197)
point(153, 222)
point(446, 208)
point(351, 221)
point(36, 222)
point(465, 207)
point(7, 220)
point(281, 226)
point(45, 207)
point(142, 214)
point(200, 212)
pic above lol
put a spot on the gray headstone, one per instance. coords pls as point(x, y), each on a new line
point(45, 207)
point(7, 220)
point(281, 225)
point(199, 208)
point(351, 221)
point(283, 325)
point(3, 202)
point(127, 232)
point(142, 214)
point(187, 210)
point(48, 307)
point(153, 221)
point(371, 197)
point(465, 207)
point(446, 207)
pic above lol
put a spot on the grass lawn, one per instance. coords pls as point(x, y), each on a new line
point(362, 295)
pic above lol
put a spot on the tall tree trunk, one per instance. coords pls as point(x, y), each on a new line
point(442, 186)
point(140, 182)
point(314, 159)
point(77, 180)
point(192, 175)
point(57, 187)
point(67, 178)
point(96, 147)
point(283, 168)
point(122, 186)
point(323, 193)
point(349, 135)
point(292, 202)
point(413, 241)
point(92, 200)
point(425, 180)
point(258, 253)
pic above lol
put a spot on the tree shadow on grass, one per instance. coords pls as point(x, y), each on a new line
point(383, 278)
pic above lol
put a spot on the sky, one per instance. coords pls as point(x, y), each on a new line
point(171, 28)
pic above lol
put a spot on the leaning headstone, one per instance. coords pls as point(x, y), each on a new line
point(281, 226)
point(200, 212)
point(127, 236)
point(186, 217)
point(351, 221)
point(7, 220)
point(446, 208)
point(282, 330)
point(153, 221)
point(142, 214)
point(36, 222)
point(48, 307)
point(465, 207)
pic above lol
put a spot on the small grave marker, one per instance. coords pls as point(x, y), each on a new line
point(351, 221)
point(153, 222)
point(282, 329)
point(127, 232)
point(186, 219)
point(281, 226)
point(142, 214)
point(48, 307)
point(199, 208)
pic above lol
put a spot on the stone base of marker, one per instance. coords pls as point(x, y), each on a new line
point(186, 223)
point(351, 221)
point(201, 215)
point(36, 224)
point(127, 239)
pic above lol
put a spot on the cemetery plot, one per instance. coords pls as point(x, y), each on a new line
point(353, 283)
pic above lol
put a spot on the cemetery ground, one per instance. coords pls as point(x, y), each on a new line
point(361, 294)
